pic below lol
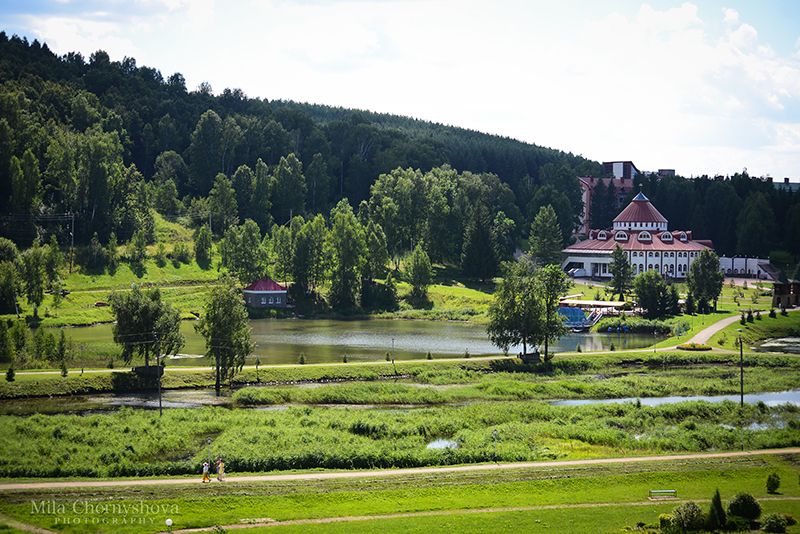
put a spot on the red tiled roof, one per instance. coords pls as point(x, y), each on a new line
point(633, 243)
point(265, 284)
point(640, 210)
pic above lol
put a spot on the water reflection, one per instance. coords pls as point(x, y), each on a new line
point(323, 341)
point(770, 399)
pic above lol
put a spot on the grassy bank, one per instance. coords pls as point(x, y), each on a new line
point(428, 382)
point(556, 499)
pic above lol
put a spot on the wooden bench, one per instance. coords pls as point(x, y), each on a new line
point(663, 494)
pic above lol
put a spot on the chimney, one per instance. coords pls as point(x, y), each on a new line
point(786, 180)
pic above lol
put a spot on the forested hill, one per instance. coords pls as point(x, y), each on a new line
point(47, 99)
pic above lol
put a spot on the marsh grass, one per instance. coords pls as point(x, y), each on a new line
point(139, 443)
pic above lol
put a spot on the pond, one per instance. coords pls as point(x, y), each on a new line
point(770, 399)
point(194, 398)
point(784, 344)
point(323, 341)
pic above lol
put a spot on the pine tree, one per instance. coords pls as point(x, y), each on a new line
point(545, 237)
point(479, 258)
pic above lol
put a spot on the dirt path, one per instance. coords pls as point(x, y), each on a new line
point(383, 472)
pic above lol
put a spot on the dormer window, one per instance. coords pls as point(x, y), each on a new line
point(602, 236)
point(666, 237)
point(645, 236)
point(621, 236)
point(683, 236)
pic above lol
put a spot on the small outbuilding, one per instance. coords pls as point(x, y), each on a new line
point(265, 293)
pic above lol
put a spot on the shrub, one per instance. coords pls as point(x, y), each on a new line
point(773, 523)
point(737, 524)
point(790, 521)
point(744, 505)
point(389, 356)
point(302, 358)
point(772, 313)
point(688, 516)
point(10, 374)
point(430, 357)
point(773, 482)
point(344, 358)
point(716, 514)
point(749, 316)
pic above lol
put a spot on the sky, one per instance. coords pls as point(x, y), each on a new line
point(703, 87)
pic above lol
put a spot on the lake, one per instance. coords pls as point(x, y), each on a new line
point(281, 341)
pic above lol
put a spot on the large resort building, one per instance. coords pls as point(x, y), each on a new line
point(642, 232)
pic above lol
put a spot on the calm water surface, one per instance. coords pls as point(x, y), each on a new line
point(321, 341)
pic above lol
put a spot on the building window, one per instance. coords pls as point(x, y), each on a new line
point(271, 301)
point(621, 236)
point(263, 300)
point(278, 300)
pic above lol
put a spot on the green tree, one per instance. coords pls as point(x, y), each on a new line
point(222, 203)
point(142, 320)
point(551, 284)
point(260, 203)
point(705, 279)
point(545, 239)
point(54, 259)
point(34, 276)
point(347, 250)
point(650, 289)
point(202, 245)
point(205, 154)
point(225, 327)
point(420, 271)
point(242, 252)
point(479, 259)
point(378, 256)
point(716, 513)
point(290, 187)
point(6, 347)
point(622, 272)
point(138, 247)
point(515, 311)
point(283, 247)
point(10, 287)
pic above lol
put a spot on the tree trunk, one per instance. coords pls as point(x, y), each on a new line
point(216, 384)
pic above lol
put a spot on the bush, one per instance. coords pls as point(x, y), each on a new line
point(773, 523)
point(688, 516)
point(10, 374)
point(737, 524)
point(744, 505)
point(773, 482)
point(772, 313)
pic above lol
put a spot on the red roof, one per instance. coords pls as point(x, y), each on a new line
point(265, 284)
point(640, 210)
point(633, 243)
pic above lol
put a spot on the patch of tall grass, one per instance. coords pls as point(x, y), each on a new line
point(139, 443)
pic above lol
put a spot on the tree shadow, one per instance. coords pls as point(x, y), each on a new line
point(420, 302)
point(204, 264)
point(138, 269)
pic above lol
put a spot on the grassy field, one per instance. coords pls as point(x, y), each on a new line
point(555, 499)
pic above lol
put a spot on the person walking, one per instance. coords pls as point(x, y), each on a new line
point(220, 469)
point(206, 478)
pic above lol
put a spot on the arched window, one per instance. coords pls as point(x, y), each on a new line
point(645, 236)
point(683, 236)
point(666, 237)
point(602, 235)
point(621, 236)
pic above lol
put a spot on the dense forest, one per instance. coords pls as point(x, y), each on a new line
point(100, 144)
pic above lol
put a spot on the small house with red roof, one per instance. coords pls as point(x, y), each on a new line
point(642, 232)
point(265, 293)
